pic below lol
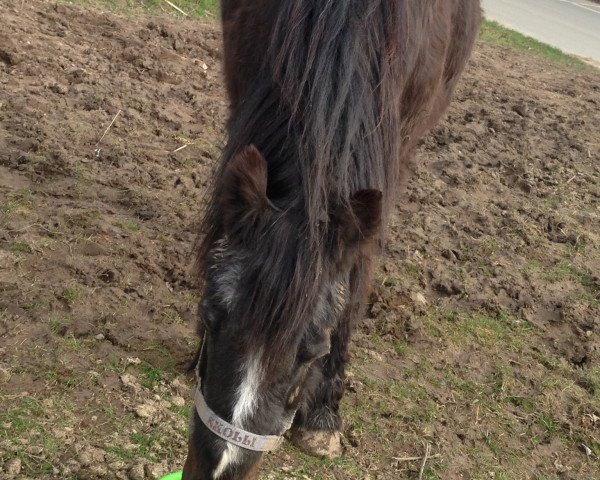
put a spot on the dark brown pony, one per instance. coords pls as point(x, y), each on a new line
point(328, 101)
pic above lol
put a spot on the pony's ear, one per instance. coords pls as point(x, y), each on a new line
point(244, 188)
point(363, 220)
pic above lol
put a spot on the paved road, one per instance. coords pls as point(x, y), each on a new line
point(571, 25)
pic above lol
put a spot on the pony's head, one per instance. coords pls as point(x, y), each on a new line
point(272, 298)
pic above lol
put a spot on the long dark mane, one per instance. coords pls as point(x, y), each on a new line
point(337, 70)
point(345, 90)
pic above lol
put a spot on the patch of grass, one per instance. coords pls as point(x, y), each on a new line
point(548, 423)
point(391, 282)
point(491, 331)
point(412, 269)
point(122, 453)
point(429, 474)
point(116, 365)
point(20, 419)
point(145, 445)
point(70, 295)
point(191, 299)
point(490, 245)
point(189, 163)
point(317, 468)
point(194, 8)
point(589, 380)
point(19, 202)
point(58, 324)
point(493, 32)
point(151, 376)
point(401, 348)
point(130, 225)
point(20, 247)
point(73, 343)
point(183, 412)
point(171, 315)
point(565, 270)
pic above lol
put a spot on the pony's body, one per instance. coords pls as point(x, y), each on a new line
point(333, 96)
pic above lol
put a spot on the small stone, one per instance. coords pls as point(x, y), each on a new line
point(13, 467)
point(137, 472)
point(130, 382)
point(178, 401)
point(100, 337)
point(376, 355)
point(145, 410)
point(419, 299)
point(587, 450)
point(34, 450)
point(179, 384)
point(521, 109)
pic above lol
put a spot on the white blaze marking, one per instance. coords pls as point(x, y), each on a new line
point(247, 399)
point(230, 456)
point(247, 392)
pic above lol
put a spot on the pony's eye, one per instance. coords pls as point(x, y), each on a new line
point(212, 315)
point(207, 315)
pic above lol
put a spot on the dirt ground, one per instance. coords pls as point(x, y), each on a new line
point(482, 334)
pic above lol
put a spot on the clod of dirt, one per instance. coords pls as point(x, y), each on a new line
point(145, 410)
point(419, 299)
point(130, 382)
point(321, 444)
point(7, 52)
point(94, 471)
point(137, 472)
point(157, 471)
point(4, 375)
point(116, 466)
point(91, 456)
point(13, 467)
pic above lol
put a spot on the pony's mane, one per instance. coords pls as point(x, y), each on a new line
point(325, 113)
point(336, 64)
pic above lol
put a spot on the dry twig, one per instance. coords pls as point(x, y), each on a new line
point(106, 131)
point(413, 459)
point(180, 148)
point(427, 455)
point(176, 7)
point(96, 148)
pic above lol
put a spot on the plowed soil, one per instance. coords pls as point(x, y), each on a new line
point(482, 336)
